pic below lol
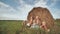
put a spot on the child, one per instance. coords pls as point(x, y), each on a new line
point(43, 25)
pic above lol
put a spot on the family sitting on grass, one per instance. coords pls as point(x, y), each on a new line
point(39, 22)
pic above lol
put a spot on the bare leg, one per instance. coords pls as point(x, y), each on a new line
point(44, 28)
point(30, 22)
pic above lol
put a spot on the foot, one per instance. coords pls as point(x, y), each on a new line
point(28, 24)
point(48, 30)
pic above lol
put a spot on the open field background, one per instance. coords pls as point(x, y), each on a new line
point(16, 27)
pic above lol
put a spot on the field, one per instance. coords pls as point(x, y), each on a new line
point(16, 27)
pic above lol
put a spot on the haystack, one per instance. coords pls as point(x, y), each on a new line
point(44, 14)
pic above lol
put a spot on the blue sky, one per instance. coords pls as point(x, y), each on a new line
point(18, 9)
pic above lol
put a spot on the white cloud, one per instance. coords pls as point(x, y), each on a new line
point(6, 8)
point(22, 10)
point(7, 12)
point(10, 16)
point(41, 3)
point(25, 8)
point(53, 3)
point(56, 13)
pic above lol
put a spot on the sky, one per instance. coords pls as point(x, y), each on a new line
point(19, 9)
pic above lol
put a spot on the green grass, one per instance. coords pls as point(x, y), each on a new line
point(10, 26)
point(15, 27)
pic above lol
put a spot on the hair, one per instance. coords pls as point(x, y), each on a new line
point(43, 14)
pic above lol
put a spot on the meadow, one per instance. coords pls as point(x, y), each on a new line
point(16, 27)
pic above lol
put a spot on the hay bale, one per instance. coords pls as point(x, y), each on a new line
point(44, 14)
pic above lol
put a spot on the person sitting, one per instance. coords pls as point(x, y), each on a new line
point(43, 26)
point(41, 23)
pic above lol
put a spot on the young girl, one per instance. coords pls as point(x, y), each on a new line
point(43, 26)
point(41, 23)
